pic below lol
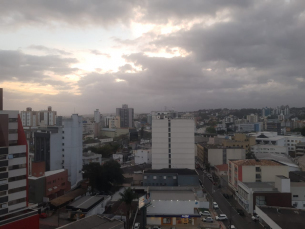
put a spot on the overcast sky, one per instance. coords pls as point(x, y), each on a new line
point(185, 55)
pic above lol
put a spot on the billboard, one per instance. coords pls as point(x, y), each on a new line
point(144, 200)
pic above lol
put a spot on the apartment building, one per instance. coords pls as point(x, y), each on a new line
point(252, 118)
point(142, 156)
point(61, 147)
point(97, 116)
point(31, 118)
point(173, 143)
point(240, 140)
point(251, 170)
point(13, 163)
point(126, 116)
point(218, 155)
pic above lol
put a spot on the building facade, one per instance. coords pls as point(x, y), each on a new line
point(251, 170)
point(173, 143)
point(142, 156)
point(38, 118)
point(97, 116)
point(126, 116)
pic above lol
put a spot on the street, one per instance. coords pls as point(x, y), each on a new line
point(225, 207)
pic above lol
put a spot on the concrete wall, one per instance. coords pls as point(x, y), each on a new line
point(187, 180)
point(36, 190)
point(269, 172)
point(157, 178)
point(297, 193)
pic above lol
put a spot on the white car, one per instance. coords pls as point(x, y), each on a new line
point(208, 220)
point(205, 213)
point(215, 205)
point(136, 226)
point(156, 227)
point(232, 227)
point(221, 217)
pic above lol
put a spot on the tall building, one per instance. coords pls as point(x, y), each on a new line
point(13, 163)
point(173, 143)
point(252, 118)
point(126, 116)
point(61, 148)
point(97, 116)
point(38, 118)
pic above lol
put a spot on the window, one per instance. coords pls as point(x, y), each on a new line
point(169, 145)
point(3, 193)
point(155, 177)
point(17, 178)
point(16, 190)
point(258, 169)
point(16, 201)
point(295, 196)
point(13, 167)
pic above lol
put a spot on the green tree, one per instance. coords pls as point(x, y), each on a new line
point(103, 178)
point(127, 197)
point(210, 130)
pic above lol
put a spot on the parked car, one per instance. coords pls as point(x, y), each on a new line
point(205, 213)
point(226, 196)
point(156, 227)
point(215, 205)
point(221, 217)
point(136, 226)
point(208, 220)
point(240, 212)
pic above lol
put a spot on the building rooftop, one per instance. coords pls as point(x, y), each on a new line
point(49, 173)
point(252, 162)
point(213, 146)
point(297, 176)
point(285, 218)
point(257, 186)
point(223, 167)
point(85, 203)
point(95, 222)
point(177, 171)
point(172, 195)
point(281, 158)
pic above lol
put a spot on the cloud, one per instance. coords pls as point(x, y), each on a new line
point(98, 53)
point(49, 50)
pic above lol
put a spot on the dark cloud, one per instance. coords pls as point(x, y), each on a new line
point(49, 50)
point(17, 66)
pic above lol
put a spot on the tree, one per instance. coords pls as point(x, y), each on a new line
point(210, 130)
point(127, 197)
point(103, 178)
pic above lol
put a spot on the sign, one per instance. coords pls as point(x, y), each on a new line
point(185, 216)
point(144, 200)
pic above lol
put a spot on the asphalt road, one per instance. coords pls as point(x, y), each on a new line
point(225, 208)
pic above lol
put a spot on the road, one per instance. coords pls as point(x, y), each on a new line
point(224, 206)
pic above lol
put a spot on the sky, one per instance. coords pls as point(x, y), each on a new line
point(78, 56)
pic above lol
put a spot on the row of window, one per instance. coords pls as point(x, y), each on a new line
point(13, 167)
point(13, 202)
point(154, 184)
point(164, 177)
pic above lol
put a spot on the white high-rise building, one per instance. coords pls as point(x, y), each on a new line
point(97, 116)
point(173, 143)
point(126, 116)
point(252, 118)
point(38, 118)
point(61, 147)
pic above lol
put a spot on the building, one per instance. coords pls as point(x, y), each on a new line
point(90, 157)
point(173, 143)
point(97, 116)
point(240, 140)
point(273, 126)
point(112, 133)
point(163, 114)
point(280, 217)
point(175, 207)
point(248, 127)
point(266, 148)
point(218, 155)
point(170, 177)
point(251, 170)
point(25, 218)
point(115, 122)
point(38, 118)
point(266, 111)
point(221, 170)
point(62, 147)
point(126, 116)
point(252, 118)
point(299, 149)
point(13, 163)
point(95, 221)
point(45, 186)
point(142, 156)
point(250, 194)
point(297, 186)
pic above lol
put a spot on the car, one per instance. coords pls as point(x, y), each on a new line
point(226, 196)
point(255, 217)
point(204, 171)
point(232, 227)
point(205, 213)
point(156, 227)
point(240, 212)
point(208, 220)
point(215, 205)
point(136, 226)
point(221, 217)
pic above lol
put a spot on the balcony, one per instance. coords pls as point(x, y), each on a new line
point(4, 163)
point(3, 199)
point(4, 187)
point(4, 175)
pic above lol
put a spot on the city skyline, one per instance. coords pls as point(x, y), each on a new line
point(89, 55)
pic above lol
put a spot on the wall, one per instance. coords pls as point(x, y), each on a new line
point(269, 172)
point(275, 199)
point(142, 156)
point(188, 180)
point(248, 174)
point(298, 189)
point(169, 181)
point(38, 168)
point(37, 190)
point(153, 220)
point(26, 223)
point(266, 219)
point(56, 150)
